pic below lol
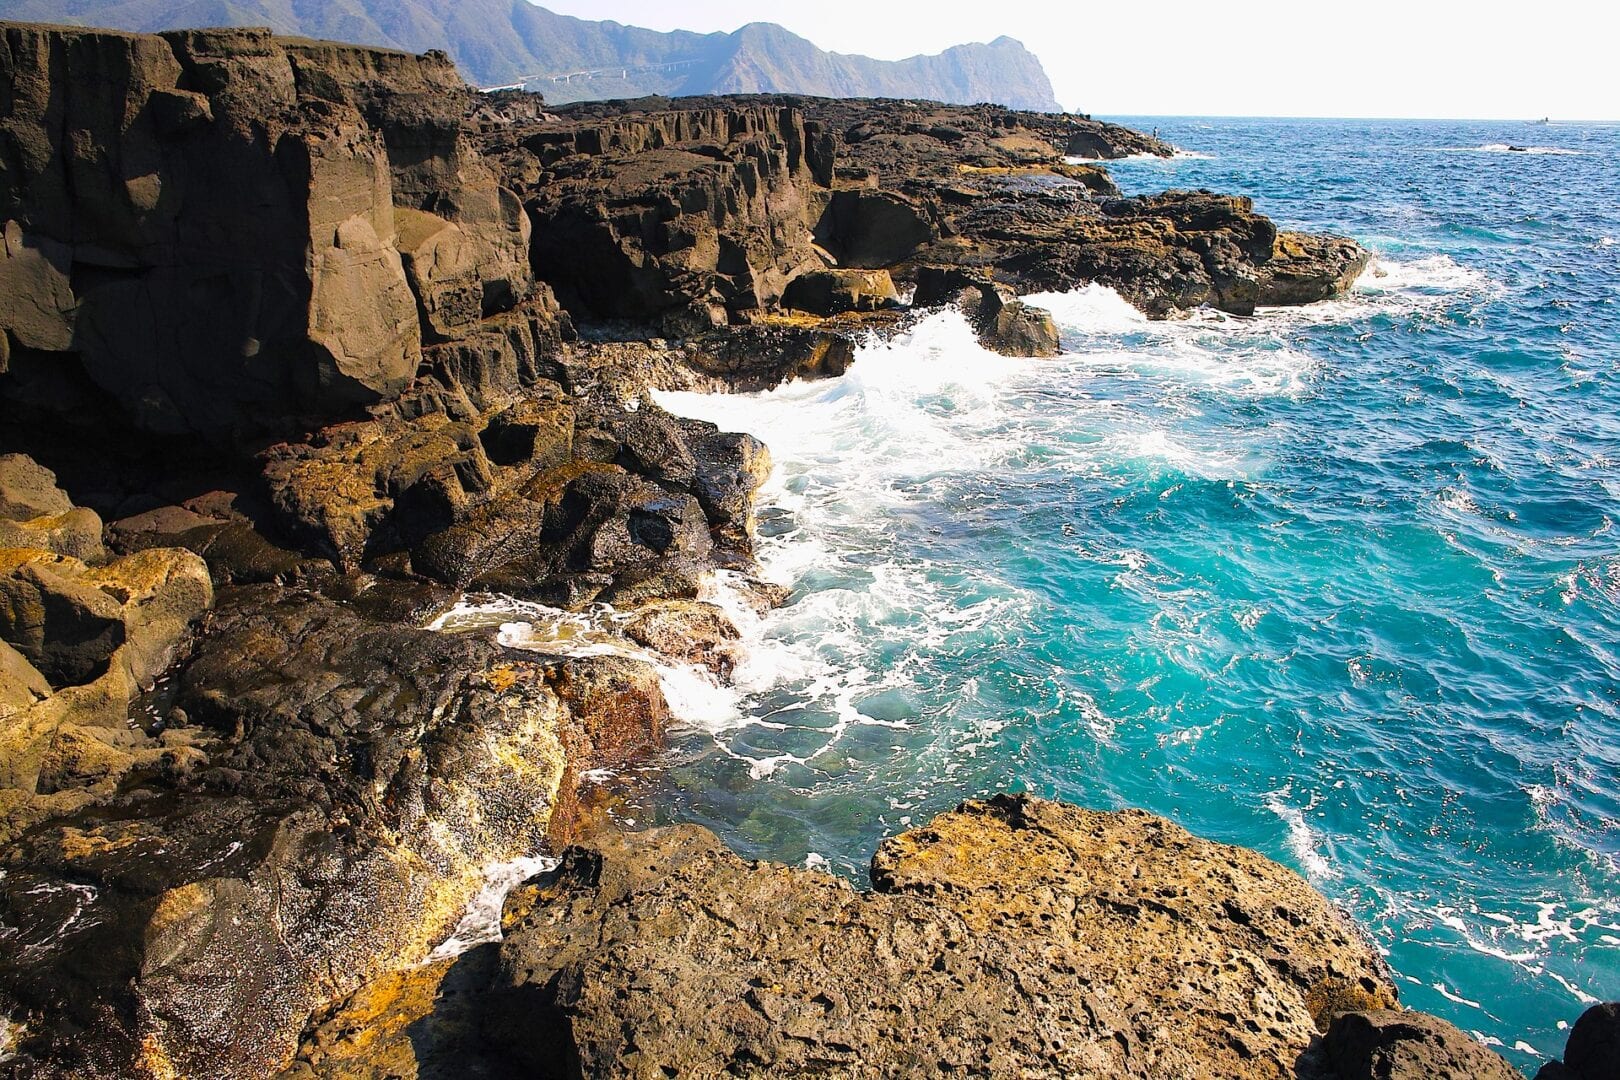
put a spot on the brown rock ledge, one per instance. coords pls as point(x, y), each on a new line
point(1013, 937)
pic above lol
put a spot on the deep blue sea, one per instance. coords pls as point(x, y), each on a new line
point(1339, 583)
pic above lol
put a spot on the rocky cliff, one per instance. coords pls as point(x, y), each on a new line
point(299, 344)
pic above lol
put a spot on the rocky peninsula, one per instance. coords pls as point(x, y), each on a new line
point(301, 342)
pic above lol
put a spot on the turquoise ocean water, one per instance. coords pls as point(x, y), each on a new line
point(1338, 583)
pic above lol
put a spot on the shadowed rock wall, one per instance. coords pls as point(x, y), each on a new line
point(201, 230)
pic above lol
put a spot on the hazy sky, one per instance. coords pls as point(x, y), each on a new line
point(1383, 58)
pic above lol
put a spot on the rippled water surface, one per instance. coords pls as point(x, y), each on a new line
point(1341, 584)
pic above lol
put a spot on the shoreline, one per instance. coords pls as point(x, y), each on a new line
point(406, 354)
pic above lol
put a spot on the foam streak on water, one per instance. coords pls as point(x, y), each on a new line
point(1340, 583)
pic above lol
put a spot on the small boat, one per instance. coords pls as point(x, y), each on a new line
point(1542, 122)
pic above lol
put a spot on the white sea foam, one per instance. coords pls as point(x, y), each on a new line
point(1515, 148)
point(1450, 995)
point(1091, 309)
point(1177, 155)
point(1303, 840)
point(481, 923)
point(1431, 275)
point(1106, 335)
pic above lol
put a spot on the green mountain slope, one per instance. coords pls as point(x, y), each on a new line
point(502, 42)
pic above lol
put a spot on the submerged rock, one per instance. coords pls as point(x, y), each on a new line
point(689, 631)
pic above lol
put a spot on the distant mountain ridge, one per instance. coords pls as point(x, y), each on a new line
point(506, 42)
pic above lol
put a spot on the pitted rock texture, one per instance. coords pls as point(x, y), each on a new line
point(322, 794)
point(1012, 937)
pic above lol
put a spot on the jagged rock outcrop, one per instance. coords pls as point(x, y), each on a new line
point(687, 217)
point(1010, 937)
point(81, 636)
point(1388, 1043)
point(833, 292)
point(1165, 253)
point(330, 790)
point(663, 213)
point(1004, 323)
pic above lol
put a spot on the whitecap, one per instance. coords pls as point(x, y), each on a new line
point(1514, 148)
point(1427, 275)
point(1302, 839)
point(1091, 309)
point(1441, 989)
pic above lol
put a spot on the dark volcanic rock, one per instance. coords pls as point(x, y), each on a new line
point(1004, 324)
point(1593, 1050)
point(759, 357)
point(232, 196)
point(333, 789)
point(688, 216)
point(832, 292)
point(648, 211)
point(1407, 1045)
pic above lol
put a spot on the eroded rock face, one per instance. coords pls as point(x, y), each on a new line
point(1013, 937)
point(327, 790)
point(832, 292)
point(28, 490)
point(210, 237)
point(686, 218)
point(686, 221)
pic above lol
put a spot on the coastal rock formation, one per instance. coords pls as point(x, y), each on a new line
point(1009, 937)
point(691, 215)
point(210, 241)
point(330, 790)
point(279, 317)
point(1004, 324)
